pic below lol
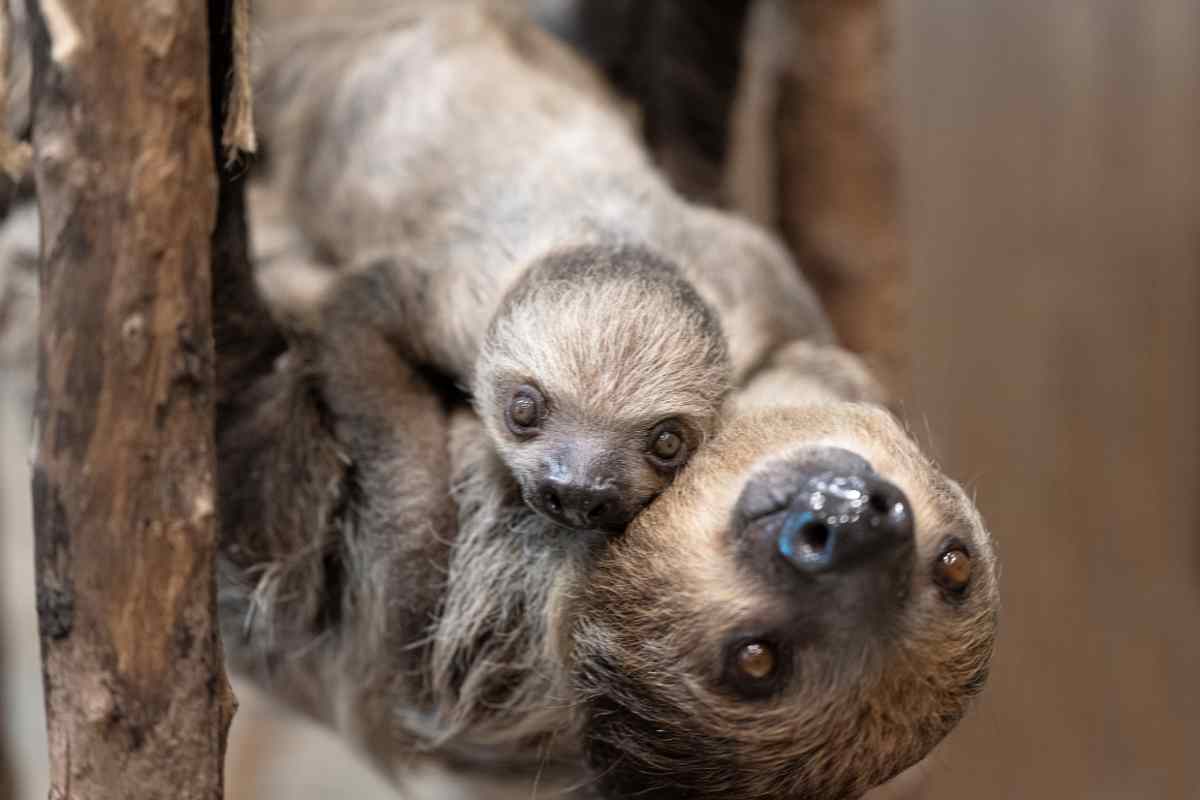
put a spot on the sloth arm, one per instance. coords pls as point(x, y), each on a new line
point(429, 317)
point(334, 481)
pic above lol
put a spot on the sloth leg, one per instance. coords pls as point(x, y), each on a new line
point(335, 517)
point(391, 295)
point(432, 318)
point(388, 294)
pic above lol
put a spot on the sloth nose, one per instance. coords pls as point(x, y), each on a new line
point(585, 506)
point(823, 527)
point(842, 521)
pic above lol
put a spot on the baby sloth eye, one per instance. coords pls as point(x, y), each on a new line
point(952, 570)
point(525, 411)
point(667, 445)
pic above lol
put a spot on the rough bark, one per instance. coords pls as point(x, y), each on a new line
point(815, 156)
point(136, 698)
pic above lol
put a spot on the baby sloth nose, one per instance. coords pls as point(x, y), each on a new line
point(579, 505)
point(841, 521)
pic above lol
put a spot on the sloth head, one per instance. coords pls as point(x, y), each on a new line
point(601, 375)
point(804, 614)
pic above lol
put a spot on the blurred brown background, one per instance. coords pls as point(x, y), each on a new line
point(1050, 172)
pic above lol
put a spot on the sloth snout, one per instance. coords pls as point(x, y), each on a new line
point(822, 522)
point(844, 521)
point(584, 505)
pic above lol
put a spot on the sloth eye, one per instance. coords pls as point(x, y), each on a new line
point(952, 570)
point(525, 410)
point(754, 668)
point(756, 661)
point(667, 446)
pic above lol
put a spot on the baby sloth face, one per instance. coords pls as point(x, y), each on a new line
point(601, 375)
point(804, 614)
point(587, 472)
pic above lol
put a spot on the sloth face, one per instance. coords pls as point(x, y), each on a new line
point(587, 473)
point(804, 614)
point(600, 377)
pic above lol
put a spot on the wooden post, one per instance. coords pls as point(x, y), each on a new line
point(136, 698)
point(815, 156)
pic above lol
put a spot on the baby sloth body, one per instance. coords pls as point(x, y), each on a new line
point(597, 374)
point(531, 250)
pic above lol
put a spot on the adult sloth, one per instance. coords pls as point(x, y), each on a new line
point(805, 612)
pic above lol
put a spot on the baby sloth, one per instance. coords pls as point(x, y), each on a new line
point(600, 372)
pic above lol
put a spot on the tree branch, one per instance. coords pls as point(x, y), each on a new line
point(123, 487)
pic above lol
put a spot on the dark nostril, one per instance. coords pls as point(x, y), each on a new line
point(845, 522)
point(885, 499)
point(598, 510)
point(881, 501)
point(602, 508)
point(815, 535)
point(551, 501)
point(805, 541)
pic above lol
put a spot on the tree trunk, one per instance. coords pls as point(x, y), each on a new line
point(136, 698)
point(814, 155)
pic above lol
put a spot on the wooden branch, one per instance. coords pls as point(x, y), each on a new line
point(137, 702)
point(814, 156)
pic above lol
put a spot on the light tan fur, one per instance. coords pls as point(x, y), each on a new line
point(662, 598)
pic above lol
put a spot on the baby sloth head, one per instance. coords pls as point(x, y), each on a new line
point(600, 376)
point(806, 613)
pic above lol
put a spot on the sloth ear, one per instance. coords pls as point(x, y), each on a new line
point(294, 292)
